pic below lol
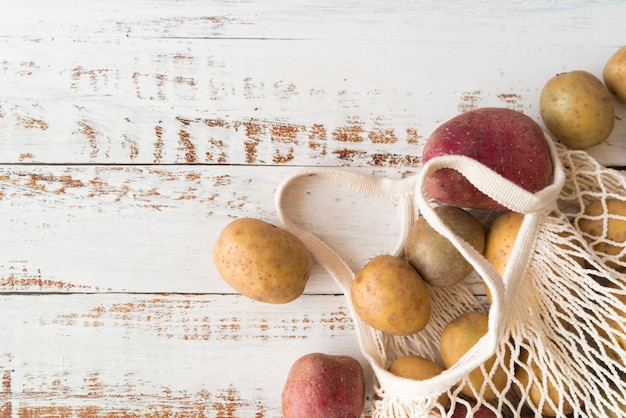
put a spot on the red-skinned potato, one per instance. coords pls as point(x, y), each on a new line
point(507, 141)
point(324, 386)
point(460, 411)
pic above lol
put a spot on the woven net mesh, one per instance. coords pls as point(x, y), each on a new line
point(559, 345)
point(563, 348)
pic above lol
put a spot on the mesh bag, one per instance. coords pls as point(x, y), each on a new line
point(557, 317)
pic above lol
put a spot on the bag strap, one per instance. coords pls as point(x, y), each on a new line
point(365, 184)
point(533, 205)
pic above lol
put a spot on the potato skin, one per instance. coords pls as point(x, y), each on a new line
point(262, 261)
point(390, 296)
point(578, 109)
point(539, 386)
point(324, 386)
point(507, 141)
point(436, 259)
point(614, 74)
point(616, 228)
point(500, 240)
point(417, 367)
point(457, 338)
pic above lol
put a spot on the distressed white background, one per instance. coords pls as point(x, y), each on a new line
point(132, 132)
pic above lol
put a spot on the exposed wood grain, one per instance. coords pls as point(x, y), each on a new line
point(348, 100)
point(152, 229)
point(540, 22)
point(159, 355)
point(132, 132)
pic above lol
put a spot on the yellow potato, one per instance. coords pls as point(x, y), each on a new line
point(537, 388)
point(615, 231)
point(609, 411)
point(618, 329)
point(500, 240)
point(578, 109)
point(261, 261)
point(390, 296)
point(418, 368)
point(433, 255)
point(457, 338)
point(614, 74)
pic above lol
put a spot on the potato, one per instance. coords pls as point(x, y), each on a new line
point(483, 411)
point(614, 74)
point(418, 368)
point(390, 296)
point(615, 228)
point(539, 385)
point(434, 256)
point(509, 142)
point(261, 261)
point(500, 240)
point(617, 326)
point(609, 411)
point(324, 386)
point(578, 109)
point(457, 338)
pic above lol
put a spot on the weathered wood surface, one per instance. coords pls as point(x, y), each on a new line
point(152, 228)
point(158, 355)
point(132, 132)
point(251, 83)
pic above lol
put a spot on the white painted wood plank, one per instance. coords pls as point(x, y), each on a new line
point(109, 303)
point(160, 355)
point(538, 21)
point(152, 229)
point(263, 102)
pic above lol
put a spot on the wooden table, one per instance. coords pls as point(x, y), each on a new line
point(132, 132)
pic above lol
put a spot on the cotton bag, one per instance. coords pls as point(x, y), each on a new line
point(557, 317)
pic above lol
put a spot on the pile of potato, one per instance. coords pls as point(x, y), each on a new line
point(390, 293)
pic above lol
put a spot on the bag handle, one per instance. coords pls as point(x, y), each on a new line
point(534, 206)
point(365, 184)
point(410, 191)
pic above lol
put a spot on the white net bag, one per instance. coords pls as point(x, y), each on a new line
point(557, 317)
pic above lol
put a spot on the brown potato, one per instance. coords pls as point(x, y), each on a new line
point(500, 240)
point(434, 256)
point(262, 261)
point(578, 109)
point(457, 338)
point(418, 368)
point(390, 296)
point(539, 385)
point(615, 228)
point(614, 74)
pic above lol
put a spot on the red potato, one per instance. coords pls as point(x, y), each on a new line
point(507, 141)
point(324, 386)
point(460, 411)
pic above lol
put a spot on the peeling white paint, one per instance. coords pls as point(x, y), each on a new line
point(132, 132)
